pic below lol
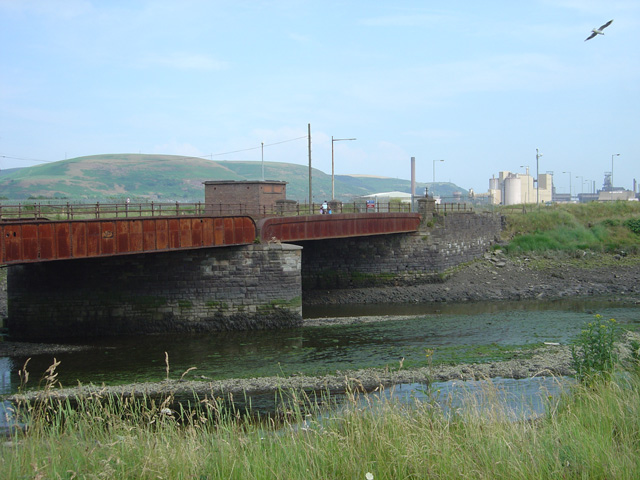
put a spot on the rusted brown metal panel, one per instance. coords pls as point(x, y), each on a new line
point(186, 239)
point(229, 231)
point(318, 227)
point(122, 237)
point(207, 232)
point(94, 239)
point(174, 233)
point(11, 244)
point(29, 235)
point(218, 231)
point(79, 239)
point(248, 230)
point(149, 235)
point(135, 236)
point(196, 232)
point(43, 240)
point(162, 234)
point(108, 238)
point(63, 240)
point(47, 241)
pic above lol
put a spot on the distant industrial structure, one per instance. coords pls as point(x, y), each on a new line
point(516, 188)
point(511, 188)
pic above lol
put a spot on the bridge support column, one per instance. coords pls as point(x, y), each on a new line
point(426, 208)
point(231, 288)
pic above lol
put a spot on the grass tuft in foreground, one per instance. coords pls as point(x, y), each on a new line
point(591, 432)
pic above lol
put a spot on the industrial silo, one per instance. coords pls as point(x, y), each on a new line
point(512, 190)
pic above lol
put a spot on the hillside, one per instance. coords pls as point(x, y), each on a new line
point(168, 178)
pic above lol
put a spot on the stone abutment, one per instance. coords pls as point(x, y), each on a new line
point(232, 288)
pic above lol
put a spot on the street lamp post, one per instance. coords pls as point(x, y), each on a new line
point(570, 191)
point(434, 169)
point(538, 155)
point(581, 177)
point(614, 155)
point(333, 191)
point(527, 196)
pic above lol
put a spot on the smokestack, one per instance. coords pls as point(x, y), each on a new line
point(413, 181)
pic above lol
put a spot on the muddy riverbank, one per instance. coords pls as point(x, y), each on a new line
point(498, 277)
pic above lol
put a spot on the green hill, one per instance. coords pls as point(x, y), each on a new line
point(168, 178)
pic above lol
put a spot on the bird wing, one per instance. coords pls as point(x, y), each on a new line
point(590, 36)
point(606, 25)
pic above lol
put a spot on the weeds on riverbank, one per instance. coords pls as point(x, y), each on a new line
point(596, 226)
point(591, 432)
point(593, 354)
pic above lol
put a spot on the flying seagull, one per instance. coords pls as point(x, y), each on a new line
point(598, 31)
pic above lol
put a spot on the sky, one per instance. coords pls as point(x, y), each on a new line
point(483, 86)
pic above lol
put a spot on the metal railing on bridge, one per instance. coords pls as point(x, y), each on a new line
point(454, 208)
point(85, 211)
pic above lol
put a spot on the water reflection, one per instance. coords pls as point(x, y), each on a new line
point(6, 366)
point(512, 399)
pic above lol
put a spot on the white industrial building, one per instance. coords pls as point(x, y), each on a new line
point(516, 188)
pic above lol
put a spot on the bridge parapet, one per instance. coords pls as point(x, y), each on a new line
point(30, 241)
point(319, 227)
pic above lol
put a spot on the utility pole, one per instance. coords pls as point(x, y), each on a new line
point(310, 195)
point(538, 155)
point(333, 191)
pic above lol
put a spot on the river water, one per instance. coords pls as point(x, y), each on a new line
point(455, 332)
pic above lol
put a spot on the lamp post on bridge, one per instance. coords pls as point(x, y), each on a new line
point(614, 155)
point(538, 155)
point(434, 169)
point(333, 191)
point(570, 192)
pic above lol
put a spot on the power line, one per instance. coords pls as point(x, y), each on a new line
point(203, 156)
point(28, 159)
point(256, 148)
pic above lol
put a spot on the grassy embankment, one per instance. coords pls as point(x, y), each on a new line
point(592, 432)
point(597, 227)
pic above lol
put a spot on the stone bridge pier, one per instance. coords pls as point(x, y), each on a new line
point(232, 288)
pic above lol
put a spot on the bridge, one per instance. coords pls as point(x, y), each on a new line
point(96, 270)
point(27, 235)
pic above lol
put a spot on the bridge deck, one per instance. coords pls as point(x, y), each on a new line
point(38, 240)
point(42, 240)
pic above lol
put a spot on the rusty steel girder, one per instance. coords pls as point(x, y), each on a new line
point(42, 240)
point(319, 227)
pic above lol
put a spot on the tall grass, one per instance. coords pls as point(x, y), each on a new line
point(596, 226)
point(594, 432)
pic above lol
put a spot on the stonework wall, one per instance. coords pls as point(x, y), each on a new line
point(442, 243)
point(232, 288)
